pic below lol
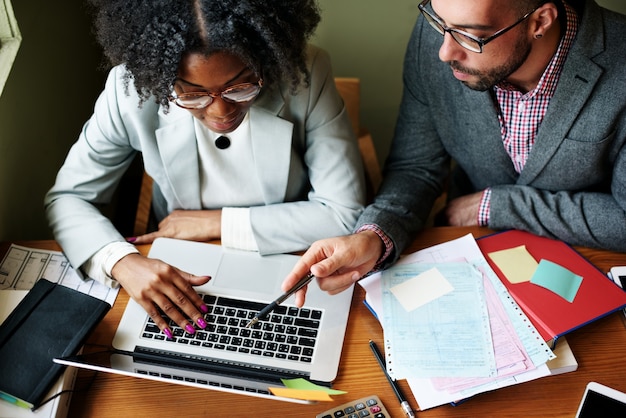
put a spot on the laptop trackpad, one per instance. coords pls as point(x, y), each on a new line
point(245, 273)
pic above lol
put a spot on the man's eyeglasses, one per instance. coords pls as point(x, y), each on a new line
point(466, 40)
point(239, 93)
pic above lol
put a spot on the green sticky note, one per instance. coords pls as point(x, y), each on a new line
point(303, 384)
point(558, 279)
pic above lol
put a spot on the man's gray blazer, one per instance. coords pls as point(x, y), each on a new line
point(573, 186)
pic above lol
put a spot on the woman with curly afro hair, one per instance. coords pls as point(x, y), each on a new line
point(240, 126)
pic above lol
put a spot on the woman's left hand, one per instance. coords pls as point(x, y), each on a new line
point(191, 225)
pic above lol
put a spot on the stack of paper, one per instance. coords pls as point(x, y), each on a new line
point(21, 267)
point(451, 328)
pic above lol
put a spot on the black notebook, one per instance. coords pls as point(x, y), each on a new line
point(51, 321)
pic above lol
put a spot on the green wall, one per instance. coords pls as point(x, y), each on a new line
point(47, 97)
point(367, 39)
point(56, 78)
point(617, 5)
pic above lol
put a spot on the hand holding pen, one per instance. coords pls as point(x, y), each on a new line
point(269, 308)
point(394, 385)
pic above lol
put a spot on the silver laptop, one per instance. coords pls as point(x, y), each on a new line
point(227, 356)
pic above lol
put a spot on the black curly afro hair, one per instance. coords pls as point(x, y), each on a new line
point(151, 36)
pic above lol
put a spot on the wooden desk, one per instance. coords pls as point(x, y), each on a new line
point(600, 349)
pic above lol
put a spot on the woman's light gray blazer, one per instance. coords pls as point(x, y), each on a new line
point(306, 159)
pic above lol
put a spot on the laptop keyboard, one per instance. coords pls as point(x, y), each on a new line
point(288, 333)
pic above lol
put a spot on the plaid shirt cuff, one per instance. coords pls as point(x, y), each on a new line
point(484, 207)
point(386, 242)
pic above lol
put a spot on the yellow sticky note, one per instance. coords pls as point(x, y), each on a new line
point(516, 263)
point(304, 394)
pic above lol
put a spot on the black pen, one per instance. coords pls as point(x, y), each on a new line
point(269, 308)
point(394, 385)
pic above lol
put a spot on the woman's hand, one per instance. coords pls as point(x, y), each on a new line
point(159, 287)
point(192, 225)
point(336, 262)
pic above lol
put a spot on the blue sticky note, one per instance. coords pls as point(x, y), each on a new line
point(557, 279)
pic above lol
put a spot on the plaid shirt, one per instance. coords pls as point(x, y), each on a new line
point(386, 242)
point(521, 113)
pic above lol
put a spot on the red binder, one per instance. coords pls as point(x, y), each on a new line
point(552, 315)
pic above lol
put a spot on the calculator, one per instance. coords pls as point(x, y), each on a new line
point(369, 406)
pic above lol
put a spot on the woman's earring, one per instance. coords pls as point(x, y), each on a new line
point(538, 36)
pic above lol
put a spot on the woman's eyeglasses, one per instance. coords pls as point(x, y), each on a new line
point(239, 93)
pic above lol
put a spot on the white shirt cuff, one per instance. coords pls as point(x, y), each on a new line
point(99, 266)
point(237, 229)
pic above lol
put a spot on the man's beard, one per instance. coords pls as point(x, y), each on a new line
point(488, 79)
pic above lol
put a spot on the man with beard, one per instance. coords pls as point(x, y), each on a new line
point(528, 99)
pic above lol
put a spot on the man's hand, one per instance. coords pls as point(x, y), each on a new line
point(463, 211)
point(336, 262)
point(192, 225)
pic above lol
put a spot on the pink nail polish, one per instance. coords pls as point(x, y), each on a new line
point(168, 334)
point(201, 323)
point(190, 329)
point(131, 239)
point(204, 309)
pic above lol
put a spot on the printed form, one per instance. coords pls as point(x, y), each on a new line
point(448, 336)
point(22, 267)
point(520, 355)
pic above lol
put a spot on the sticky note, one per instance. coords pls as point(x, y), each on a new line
point(307, 395)
point(421, 289)
point(558, 279)
point(515, 263)
point(304, 384)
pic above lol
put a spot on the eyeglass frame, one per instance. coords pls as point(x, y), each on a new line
point(481, 42)
point(173, 97)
